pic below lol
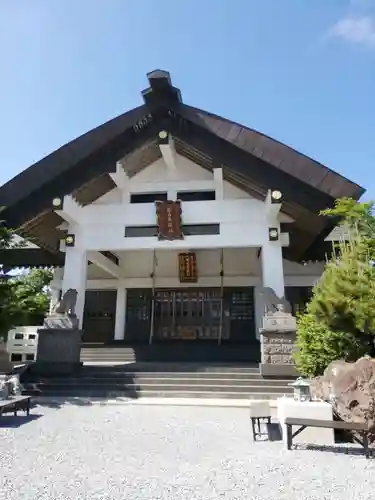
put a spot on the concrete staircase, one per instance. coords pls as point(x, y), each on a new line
point(155, 379)
point(172, 352)
point(108, 355)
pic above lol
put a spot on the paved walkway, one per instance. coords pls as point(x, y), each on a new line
point(132, 451)
point(201, 402)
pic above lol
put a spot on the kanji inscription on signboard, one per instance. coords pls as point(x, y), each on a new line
point(169, 220)
point(187, 264)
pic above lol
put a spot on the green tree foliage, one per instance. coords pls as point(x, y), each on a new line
point(6, 242)
point(357, 217)
point(344, 298)
point(31, 296)
point(318, 345)
point(24, 298)
point(340, 319)
point(354, 214)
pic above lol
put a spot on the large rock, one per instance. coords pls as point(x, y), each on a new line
point(351, 389)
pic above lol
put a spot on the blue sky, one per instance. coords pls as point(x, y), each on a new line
point(301, 71)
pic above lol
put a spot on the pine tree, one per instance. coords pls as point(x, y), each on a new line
point(340, 319)
point(344, 298)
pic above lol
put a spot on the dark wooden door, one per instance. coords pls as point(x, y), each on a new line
point(138, 315)
point(187, 314)
point(99, 316)
point(239, 315)
point(298, 297)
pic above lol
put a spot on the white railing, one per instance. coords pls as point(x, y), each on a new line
point(22, 344)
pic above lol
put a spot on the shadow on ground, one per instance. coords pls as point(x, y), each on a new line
point(61, 401)
point(13, 422)
point(346, 450)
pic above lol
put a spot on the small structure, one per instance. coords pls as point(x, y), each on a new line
point(10, 386)
point(317, 410)
point(301, 390)
point(278, 336)
point(260, 416)
point(63, 315)
point(67, 305)
point(59, 341)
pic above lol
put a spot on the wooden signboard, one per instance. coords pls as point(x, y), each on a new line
point(169, 220)
point(187, 265)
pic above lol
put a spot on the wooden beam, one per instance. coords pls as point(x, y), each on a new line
point(120, 178)
point(104, 263)
point(168, 150)
point(70, 210)
point(272, 206)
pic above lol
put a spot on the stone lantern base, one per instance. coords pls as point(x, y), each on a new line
point(278, 342)
point(59, 351)
point(277, 348)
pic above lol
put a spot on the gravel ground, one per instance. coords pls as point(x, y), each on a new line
point(138, 452)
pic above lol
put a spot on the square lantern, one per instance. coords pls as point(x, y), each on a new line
point(163, 137)
point(57, 203)
point(273, 234)
point(276, 196)
point(302, 391)
point(70, 240)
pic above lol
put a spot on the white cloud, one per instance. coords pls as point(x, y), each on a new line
point(360, 30)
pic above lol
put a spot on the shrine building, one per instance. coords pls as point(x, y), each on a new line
point(169, 220)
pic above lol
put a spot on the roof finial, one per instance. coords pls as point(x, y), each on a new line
point(160, 89)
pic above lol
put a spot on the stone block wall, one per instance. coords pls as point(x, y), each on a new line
point(277, 349)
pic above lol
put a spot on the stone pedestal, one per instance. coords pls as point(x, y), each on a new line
point(59, 351)
point(277, 349)
point(56, 321)
point(319, 410)
point(278, 342)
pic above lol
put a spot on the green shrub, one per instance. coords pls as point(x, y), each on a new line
point(317, 346)
point(340, 318)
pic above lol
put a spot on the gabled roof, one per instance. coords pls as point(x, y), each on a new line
point(250, 160)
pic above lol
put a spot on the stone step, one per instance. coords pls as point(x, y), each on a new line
point(169, 380)
point(108, 357)
point(173, 352)
point(114, 354)
point(76, 393)
point(160, 388)
point(181, 375)
point(155, 367)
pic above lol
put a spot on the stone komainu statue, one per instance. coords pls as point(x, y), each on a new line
point(67, 304)
point(271, 302)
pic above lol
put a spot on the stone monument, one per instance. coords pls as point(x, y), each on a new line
point(59, 340)
point(10, 386)
point(278, 337)
point(63, 314)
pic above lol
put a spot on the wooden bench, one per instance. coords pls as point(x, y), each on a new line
point(15, 404)
point(361, 428)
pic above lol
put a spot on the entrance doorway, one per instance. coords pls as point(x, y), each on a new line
point(99, 316)
point(189, 314)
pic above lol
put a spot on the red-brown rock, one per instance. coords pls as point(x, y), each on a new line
point(351, 389)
